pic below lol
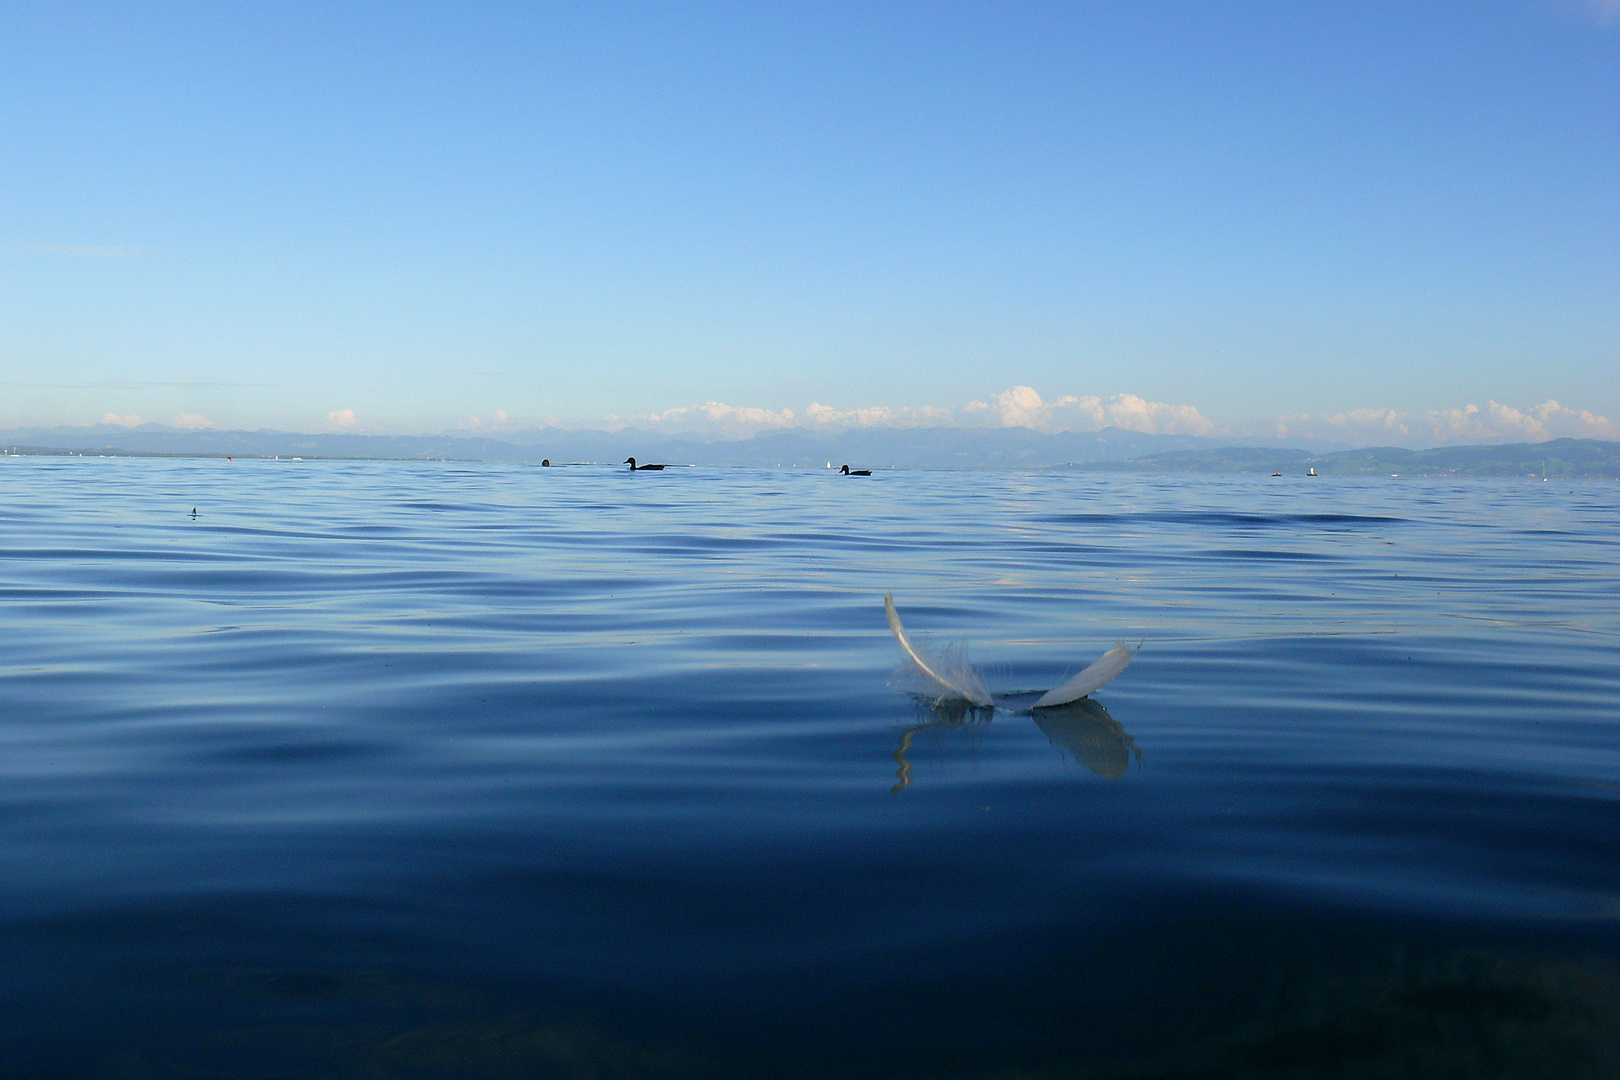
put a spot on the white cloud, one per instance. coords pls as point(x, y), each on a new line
point(1549, 420)
point(192, 420)
point(1496, 423)
point(1132, 413)
point(823, 416)
point(1364, 426)
point(477, 423)
point(1021, 406)
point(122, 421)
point(341, 418)
point(711, 419)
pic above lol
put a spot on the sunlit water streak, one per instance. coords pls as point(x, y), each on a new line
point(432, 767)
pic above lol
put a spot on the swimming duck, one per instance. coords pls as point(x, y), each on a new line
point(846, 471)
point(630, 461)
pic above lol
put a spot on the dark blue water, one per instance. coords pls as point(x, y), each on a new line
point(380, 769)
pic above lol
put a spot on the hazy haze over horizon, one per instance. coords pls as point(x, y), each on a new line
point(1387, 223)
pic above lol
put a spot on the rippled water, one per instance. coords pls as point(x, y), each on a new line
point(435, 769)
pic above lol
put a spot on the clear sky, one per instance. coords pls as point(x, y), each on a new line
point(1337, 218)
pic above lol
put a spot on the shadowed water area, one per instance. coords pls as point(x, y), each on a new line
point(408, 769)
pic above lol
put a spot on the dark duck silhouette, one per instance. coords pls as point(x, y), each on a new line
point(847, 471)
point(641, 468)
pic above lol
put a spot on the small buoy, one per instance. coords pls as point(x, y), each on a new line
point(545, 463)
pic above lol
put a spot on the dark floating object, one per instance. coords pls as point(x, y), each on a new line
point(545, 463)
point(846, 471)
point(194, 511)
point(641, 468)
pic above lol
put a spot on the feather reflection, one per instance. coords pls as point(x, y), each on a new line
point(1096, 739)
point(939, 715)
point(1083, 728)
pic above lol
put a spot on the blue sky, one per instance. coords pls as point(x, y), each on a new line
point(1348, 220)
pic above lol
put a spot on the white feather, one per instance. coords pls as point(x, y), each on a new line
point(963, 688)
point(1113, 662)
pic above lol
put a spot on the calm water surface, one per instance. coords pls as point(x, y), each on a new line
point(381, 769)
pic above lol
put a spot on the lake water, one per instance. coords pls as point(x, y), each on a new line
point(387, 769)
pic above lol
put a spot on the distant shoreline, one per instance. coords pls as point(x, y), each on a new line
point(1557, 459)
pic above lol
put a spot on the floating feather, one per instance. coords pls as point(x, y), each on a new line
point(964, 685)
point(1113, 662)
point(958, 681)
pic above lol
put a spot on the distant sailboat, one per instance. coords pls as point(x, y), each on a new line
point(1311, 471)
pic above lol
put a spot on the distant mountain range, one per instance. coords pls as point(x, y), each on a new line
point(943, 448)
point(1111, 450)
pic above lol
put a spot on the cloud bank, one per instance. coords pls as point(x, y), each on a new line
point(1021, 406)
point(712, 419)
point(1496, 423)
point(1025, 407)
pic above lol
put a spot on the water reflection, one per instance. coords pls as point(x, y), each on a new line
point(938, 715)
point(1083, 728)
point(1096, 739)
